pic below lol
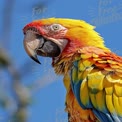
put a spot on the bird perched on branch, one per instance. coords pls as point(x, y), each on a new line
point(92, 73)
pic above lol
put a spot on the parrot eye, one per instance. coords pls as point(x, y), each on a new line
point(55, 27)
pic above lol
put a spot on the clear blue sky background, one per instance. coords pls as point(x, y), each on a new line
point(49, 95)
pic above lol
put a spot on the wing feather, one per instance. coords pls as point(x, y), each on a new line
point(99, 76)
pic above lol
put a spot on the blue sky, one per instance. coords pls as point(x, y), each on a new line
point(49, 93)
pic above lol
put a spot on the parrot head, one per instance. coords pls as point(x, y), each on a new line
point(56, 37)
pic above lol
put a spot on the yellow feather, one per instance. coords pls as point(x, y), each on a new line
point(80, 75)
point(109, 103)
point(83, 64)
point(107, 83)
point(95, 55)
point(84, 56)
point(97, 59)
point(75, 75)
point(86, 72)
point(100, 100)
point(109, 90)
point(110, 79)
point(118, 90)
point(67, 22)
point(93, 99)
point(84, 96)
point(66, 80)
point(111, 62)
point(120, 101)
point(87, 63)
point(102, 61)
point(117, 106)
point(114, 66)
point(119, 70)
point(95, 81)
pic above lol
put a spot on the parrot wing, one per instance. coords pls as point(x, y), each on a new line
point(96, 80)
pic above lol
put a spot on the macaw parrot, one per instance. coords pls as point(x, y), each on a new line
point(92, 72)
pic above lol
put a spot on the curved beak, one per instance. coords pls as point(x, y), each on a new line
point(32, 53)
point(31, 43)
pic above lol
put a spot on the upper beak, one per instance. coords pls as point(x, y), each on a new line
point(31, 44)
point(31, 52)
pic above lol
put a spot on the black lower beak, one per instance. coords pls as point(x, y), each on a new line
point(49, 49)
